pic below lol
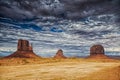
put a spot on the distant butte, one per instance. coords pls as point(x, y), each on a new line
point(59, 54)
point(24, 50)
point(97, 51)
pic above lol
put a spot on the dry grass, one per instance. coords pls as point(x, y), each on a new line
point(105, 74)
point(59, 69)
point(24, 61)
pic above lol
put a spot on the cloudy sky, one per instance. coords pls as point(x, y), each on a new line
point(71, 25)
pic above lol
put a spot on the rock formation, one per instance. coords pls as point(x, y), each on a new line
point(59, 54)
point(97, 51)
point(24, 50)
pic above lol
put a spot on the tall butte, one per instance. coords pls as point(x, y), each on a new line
point(97, 51)
point(59, 54)
point(24, 50)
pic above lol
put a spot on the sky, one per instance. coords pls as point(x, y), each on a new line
point(71, 25)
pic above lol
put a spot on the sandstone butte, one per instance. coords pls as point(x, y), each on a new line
point(59, 54)
point(24, 50)
point(97, 51)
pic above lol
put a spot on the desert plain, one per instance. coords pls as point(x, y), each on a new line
point(59, 69)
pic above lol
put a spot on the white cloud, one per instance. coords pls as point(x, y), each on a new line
point(113, 49)
point(8, 49)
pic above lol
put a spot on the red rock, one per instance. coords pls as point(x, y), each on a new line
point(59, 54)
point(23, 45)
point(97, 51)
point(24, 50)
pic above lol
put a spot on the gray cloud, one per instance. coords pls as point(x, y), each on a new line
point(51, 25)
point(72, 9)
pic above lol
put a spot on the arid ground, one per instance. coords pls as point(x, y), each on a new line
point(59, 69)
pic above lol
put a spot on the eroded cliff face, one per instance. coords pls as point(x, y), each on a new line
point(24, 50)
point(59, 54)
point(23, 45)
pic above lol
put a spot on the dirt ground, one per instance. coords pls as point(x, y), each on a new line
point(63, 70)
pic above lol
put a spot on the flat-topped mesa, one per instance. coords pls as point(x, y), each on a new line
point(97, 51)
point(24, 50)
point(59, 54)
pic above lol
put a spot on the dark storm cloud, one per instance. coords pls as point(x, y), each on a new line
point(73, 9)
point(84, 8)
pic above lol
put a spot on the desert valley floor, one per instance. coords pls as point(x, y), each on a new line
point(59, 69)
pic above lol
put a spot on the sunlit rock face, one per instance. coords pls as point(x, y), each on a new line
point(59, 54)
point(24, 50)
